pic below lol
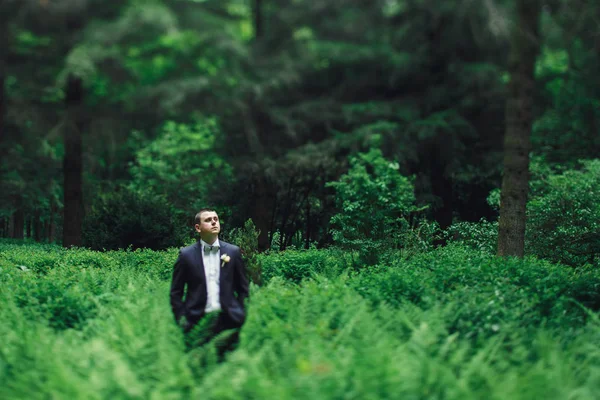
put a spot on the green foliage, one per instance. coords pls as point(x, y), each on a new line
point(321, 340)
point(42, 259)
point(480, 294)
point(266, 101)
point(246, 239)
point(567, 127)
point(123, 342)
point(562, 215)
point(297, 265)
point(454, 324)
point(183, 165)
point(128, 218)
point(374, 202)
point(563, 219)
point(482, 235)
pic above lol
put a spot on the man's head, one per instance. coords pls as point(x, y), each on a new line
point(207, 225)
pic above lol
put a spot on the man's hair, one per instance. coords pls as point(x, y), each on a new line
point(197, 217)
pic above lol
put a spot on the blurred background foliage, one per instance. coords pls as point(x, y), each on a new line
point(253, 107)
point(357, 135)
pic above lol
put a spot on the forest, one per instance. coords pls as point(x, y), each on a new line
point(414, 186)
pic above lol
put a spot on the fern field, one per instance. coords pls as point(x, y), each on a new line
point(451, 324)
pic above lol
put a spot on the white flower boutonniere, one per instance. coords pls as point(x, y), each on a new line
point(225, 259)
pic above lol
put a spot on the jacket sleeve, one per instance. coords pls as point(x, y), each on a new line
point(241, 281)
point(177, 288)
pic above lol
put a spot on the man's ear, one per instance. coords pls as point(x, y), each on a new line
point(197, 227)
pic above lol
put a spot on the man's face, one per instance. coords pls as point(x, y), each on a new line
point(209, 223)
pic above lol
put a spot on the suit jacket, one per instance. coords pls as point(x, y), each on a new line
point(188, 275)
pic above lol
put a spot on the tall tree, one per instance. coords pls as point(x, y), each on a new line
point(524, 47)
point(2, 101)
point(258, 19)
point(72, 163)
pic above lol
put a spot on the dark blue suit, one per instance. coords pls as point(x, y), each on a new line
point(189, 277)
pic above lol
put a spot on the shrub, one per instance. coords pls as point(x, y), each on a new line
point(127, 218)
point(375, 203)
point(246, 239)
point(484, 293)
point(482, 235)
point(564, 218)
point(296, 265)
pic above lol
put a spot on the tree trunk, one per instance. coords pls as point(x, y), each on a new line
point(441, 186)
point(2, 106)
point(260, 212)
point(51, 232)
point(308, 226)
point(258, 21)
point(72, 163)
point(10, 226)
point(4, 49)
point(28, 227)
point(37, 226)
point(524, 47)
point(46, 231)
point(18, 224)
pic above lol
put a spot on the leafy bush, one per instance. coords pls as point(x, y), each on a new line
point(44, 258)
point(127, 218)
point(564, 217)
point(482, 293)
point(181, 161)
point(296, 265)
point(246, 239)
point(482, 235)
point(375, 202)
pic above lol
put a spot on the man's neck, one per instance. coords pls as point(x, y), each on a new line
point(209, 239)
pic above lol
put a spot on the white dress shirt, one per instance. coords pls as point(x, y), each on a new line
point(212, 271)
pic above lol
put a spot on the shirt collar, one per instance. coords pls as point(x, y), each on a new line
point(216, 243)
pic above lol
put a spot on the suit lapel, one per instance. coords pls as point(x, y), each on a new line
point(200, 259)
point(222, 250)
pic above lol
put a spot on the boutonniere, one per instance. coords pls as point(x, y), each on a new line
point(225, 259)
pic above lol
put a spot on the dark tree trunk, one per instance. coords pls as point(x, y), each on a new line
point(263, 199)
point(441, 186)
point(4, 49)
point(524, 47)
point(286, 212)
point(2, 106)
point(28, 227)
point(274, 210)
point(46, 230)
point(257, 15)
point(308, 226)
point(37, 227)
point(261, 214)
point(72, 163)
point(51, 232)
point(18, 224)
point(3, 227)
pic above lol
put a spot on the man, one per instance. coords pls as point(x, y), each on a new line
point(212, 274)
